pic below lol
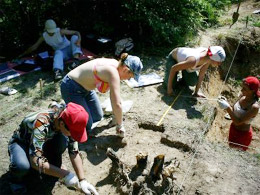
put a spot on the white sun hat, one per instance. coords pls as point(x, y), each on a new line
point(50, 26)
point(217, 53)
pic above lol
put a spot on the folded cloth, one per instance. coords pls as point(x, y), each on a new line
point(7, 91)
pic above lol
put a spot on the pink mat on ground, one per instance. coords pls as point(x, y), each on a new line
point(10, 70)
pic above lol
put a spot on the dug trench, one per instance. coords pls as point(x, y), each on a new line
point(192, 139)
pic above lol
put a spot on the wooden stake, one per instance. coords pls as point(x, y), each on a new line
point(41, 88)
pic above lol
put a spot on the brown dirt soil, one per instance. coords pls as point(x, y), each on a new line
point(194, 131)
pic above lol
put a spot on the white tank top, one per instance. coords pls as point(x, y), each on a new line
point(56, 41)
point(184, 52)
point(239, 112)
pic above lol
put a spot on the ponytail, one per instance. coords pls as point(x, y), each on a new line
point(123, 58)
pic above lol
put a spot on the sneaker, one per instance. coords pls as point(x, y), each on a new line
point(120, 133)
point(58, 74)
point(74, 64)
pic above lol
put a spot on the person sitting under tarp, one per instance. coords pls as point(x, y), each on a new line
point(41, 139)
point(242, 113)
point(64, 49)
point(193, 62)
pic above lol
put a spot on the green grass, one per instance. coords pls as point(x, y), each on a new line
point(257, 24)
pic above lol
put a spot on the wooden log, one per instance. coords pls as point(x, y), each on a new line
point(157, 167)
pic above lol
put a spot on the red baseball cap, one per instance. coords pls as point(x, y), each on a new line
point(76, 119)
point(253, 84)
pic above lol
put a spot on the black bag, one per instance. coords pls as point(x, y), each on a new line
point(123, 45)
point(45, 61)
point(25, 66)
point(98, 44)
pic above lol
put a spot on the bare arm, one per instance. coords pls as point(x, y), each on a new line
point(71, 32)
point(33, 47)
point(189, 63)
point(251, 113)
point(77, 165)
point(114, 82)
point(46, 167)
point(201, 77)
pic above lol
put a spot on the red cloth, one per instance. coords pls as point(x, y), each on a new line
point(240, 137)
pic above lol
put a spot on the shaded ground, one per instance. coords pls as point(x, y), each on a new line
point(195, 130)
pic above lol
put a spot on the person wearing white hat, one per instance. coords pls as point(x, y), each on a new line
point(193, 62)
point(64, 49)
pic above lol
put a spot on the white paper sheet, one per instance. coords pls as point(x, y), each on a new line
point(107, 107)
point(145, 80)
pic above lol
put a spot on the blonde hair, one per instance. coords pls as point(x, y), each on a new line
point(123, 58)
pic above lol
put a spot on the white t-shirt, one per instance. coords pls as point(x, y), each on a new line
point(184, 52)
point(56, 41)
point(239, 112)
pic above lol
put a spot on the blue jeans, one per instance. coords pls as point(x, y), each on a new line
point(66, 53)
point(19, 155)
point(71, 91)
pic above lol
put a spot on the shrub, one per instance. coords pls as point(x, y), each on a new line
point(149, 22)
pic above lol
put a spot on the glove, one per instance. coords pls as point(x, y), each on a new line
point(120, 130)
point(87, 188)
point(71, 181)
point(222, 102)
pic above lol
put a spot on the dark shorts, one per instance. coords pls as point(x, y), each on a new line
point(190, 78)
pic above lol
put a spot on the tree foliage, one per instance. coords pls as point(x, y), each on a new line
point(152, 22)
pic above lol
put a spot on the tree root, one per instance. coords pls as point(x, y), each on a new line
point(142, 179)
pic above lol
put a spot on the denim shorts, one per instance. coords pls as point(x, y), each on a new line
point(190, 78)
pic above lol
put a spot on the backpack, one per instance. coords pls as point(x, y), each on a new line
point(44, 61)
point(123, 45)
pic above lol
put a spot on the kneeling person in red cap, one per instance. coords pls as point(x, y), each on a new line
point(43, 137)
point(242, 113)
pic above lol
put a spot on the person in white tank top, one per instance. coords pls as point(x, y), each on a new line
point(190, 61)
point(242, 113)
point(64, 49)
